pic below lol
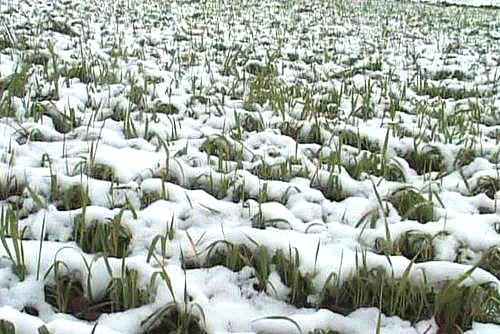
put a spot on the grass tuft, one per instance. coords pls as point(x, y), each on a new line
point(111, 238)
point(412, 205)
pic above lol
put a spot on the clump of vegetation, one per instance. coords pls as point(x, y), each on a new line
point(262, 87)
point(490, 261)
point(111, 238)
point(165, 108)
point(5, 42)
point(100, 172)
point(464, 157)
point(150, 196)
point(66, 294)
point(215, 186)
point(222, 148)
point(410, 204)
point(63, 122)
point(417, 246)
point(251, 123)
point(373, 164)
point(291, 129)
point(236, 257)
point(362, 142)
point(300, 283)
point(487, 185)
point(7, 327)
point(426, 160)
point(333, 189)
point(136, 95)
point(454, 306)
point(231, 256)
point(414, 245)
point(11, 237)
point(74, 197)
point(124, 293)
point(10, 186)
point(15, 85)
point(322, 331)
point(284, 171)
point(311, 135)
point(447, 92)
point(174, 319)
point(446, 74)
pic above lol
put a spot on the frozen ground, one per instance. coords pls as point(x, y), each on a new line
point(249, 167)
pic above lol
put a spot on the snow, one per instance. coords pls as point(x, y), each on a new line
point(169, 51)
point(473, 3)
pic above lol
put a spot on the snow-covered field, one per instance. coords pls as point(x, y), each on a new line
point(473, 3)
point(298, 166)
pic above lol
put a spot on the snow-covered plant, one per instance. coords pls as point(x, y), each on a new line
point(11, 238)
point(124, 292)
point(111, 237)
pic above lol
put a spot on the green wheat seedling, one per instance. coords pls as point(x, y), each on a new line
point(333, 189)
point(222, 148)
point(414, 245)
point(236, 257)
point(64, 122)
point(233, 257)
point(150, 196)
point(410, 204)
point(7, 327)
point(300, 283)
point(162, 241)
point(324, 331)
point(249, 123)
point(96, 170)
point(426, 159)
point(216, 186)
point(111, 238)
point(487, 185)
point(44, 330)
point(66, 290)
point(15, 85)
point(10, 186)
point(174, 318)
point(165, 108)
point(124, 293)
point(445, 92)
point(261, 262)
point(372, 164)
point(357, 140)
point(54, 186)
point(490, 261)
point(12, 241)
point(74, 197)
point(464, 157)
point(480, 302)
point(291, 129)
point(262, 89)
point(453, 305)
point(54, 77)
point(261, 222)
point(314, 134)
point(284, 171)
